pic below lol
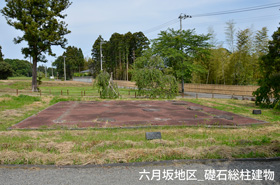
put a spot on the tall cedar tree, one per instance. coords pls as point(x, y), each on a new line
point(42, 26)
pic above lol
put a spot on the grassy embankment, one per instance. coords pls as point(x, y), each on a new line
point(95, 146)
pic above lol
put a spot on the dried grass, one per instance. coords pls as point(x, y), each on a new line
point(5, 99)
point(133, 154)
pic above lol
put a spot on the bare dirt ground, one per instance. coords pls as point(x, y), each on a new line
point(106, 114)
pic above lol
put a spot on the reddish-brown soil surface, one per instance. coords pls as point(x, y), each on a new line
point(130, 114)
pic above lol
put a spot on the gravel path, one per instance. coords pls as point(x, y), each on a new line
point(166, 173)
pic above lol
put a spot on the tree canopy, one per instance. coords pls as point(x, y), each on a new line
point(149, 73)
point(119, 53)
point(20, 67)
point(180, 49)
point(41, 24)
point(270, 69)
point(5, 70)
point(74, 61)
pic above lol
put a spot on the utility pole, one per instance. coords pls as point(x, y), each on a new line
point(183, 16)
point(52, 69)
point(101, 42)
point(64, 69)
point(46, 72)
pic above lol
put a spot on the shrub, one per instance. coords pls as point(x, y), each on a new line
point(5, 70)
point(269, 90)
point(106, 86)
point(150, 78)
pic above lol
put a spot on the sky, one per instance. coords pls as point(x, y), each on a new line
point(87, 19)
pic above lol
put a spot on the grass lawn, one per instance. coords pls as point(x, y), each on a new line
point(99, 146)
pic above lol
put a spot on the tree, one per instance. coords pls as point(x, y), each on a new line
point(180, 49)
point(5, 70)
point(119, 53)
point(148, 73)
point(270, 69)
point(261, 42)
point(42, 27)
point(230, 34)
point(1, 54)
point(106, 86)
point(74, 61)
point(243, 61)
point(95, 53)
point(20, 67)
point(260, 49)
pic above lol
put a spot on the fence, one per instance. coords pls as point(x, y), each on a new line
point(239, 90)
point(236, 90)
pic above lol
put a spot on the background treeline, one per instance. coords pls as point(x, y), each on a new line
point(240, 63)
point(119, 53)
point(20, 67)
point(74, 61)
point(186, 55)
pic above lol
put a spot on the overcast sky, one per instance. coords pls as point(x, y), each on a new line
point(87, 19)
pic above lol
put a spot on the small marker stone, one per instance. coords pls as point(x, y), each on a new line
point(153, 135)
point(257, 111)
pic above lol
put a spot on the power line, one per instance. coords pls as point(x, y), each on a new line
point(273, 5)
point(253, 8)
point(171, 22)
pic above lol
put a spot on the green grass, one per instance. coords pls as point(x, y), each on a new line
point(99, 146)
point(240, 107)
point(28, 78)
point(21, 85)
point(15, 102)
point(20, 78)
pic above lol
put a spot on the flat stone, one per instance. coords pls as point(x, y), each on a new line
point(224, 116)
point(144, 105)
point(257, 111)
point(151, 110)
point(153, 135)
point(195, 108)
point(179, 103)
point(106, 120)
point(162, 119)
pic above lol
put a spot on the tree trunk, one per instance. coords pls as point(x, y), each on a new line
point(120, 64)
point(207, 80)
point(34, 75)
point(127, 67)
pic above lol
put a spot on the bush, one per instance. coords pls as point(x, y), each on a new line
point(5, 70)
point(269, 89)
point(150, 79)
point(106, 87)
